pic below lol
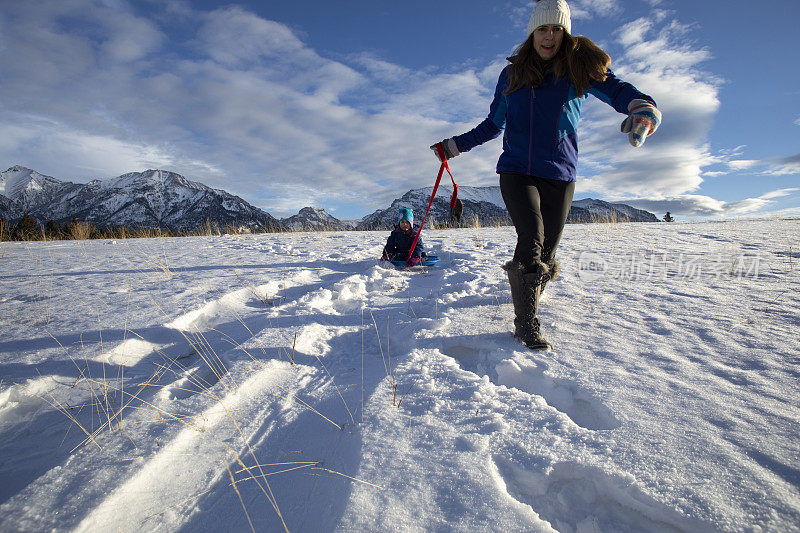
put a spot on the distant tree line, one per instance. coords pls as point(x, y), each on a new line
point(28, 229)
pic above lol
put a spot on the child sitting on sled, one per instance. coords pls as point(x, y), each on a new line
point(401, 239)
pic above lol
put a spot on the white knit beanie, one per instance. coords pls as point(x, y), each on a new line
point(550, 12)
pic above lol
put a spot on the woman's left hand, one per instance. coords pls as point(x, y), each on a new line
point(448, 147)
point(643, 121)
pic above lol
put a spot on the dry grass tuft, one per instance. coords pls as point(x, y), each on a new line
point(111, 395)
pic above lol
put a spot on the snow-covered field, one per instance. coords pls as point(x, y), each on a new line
point(271, 381)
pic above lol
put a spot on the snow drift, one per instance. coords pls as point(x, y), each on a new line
point(291, 382)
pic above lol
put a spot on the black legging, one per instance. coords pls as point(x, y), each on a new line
point(538, 208)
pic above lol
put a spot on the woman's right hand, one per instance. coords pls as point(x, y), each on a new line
point(643, 121)
point(448, 148)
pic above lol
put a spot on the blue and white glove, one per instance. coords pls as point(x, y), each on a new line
point(448, 147)
point(643, 120)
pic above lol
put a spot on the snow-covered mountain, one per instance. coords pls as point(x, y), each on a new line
point(313, 219)
point(483, 203)
point(159, 198)
point(29, 190)
point(9, 209)
point(600, 211)
point(23, 190)
point(486, 204)
point(154, 198)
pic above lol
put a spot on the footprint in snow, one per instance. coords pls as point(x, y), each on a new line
point(575, 497)
point(567, 396)
point(564, 395)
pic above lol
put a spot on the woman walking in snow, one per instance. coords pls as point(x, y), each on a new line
point(538, 103)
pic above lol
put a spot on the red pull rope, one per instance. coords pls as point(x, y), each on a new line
point(453, 197)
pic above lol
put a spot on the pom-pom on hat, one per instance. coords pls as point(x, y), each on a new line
point(406, 213)
point(550, 12)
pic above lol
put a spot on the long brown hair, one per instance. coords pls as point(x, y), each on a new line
point(579, 58)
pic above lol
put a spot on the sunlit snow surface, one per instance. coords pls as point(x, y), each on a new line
point(669, 403)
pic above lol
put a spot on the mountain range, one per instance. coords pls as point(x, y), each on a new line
point(150, 199)
point(482, 203)
point(314, 219)
point(159, 198)
point(485, 205)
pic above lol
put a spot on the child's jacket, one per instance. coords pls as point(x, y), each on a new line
point(399, 243)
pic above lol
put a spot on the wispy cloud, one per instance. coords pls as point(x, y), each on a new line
point(589, 9)
point(782, 166)
point(742, 164)
point(705, 206)
point(656, 58)
point(250, 108)
point(243, 103)
point(774, 166)
point(780, 193)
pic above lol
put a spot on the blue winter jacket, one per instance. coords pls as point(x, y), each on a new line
point(399, 243)
point(540, 124)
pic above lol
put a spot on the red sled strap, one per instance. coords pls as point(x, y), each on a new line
point(453, 197)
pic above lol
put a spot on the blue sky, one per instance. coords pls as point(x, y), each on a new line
point(334, 104)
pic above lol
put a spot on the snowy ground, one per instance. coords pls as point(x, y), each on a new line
point(149, 384)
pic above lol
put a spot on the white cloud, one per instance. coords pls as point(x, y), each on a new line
point(705, 206)
point(775, 166)
point(255, 111)
point(782, 166)
point(127, 38)
point(235, 37)
point(50, 147)
point(258, 112)
point(780, 193)
point(671, 162)
point(634, 32)
point(605, 8)
point(742, 164)
point(589, 9)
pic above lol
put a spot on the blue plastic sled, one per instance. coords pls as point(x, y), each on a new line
point(426, 261)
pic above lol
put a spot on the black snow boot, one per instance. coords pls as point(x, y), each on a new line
point(553, 273)
point(525, 291)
